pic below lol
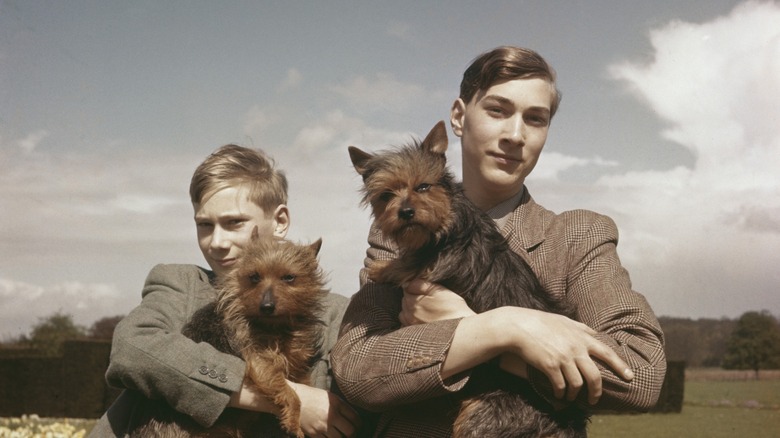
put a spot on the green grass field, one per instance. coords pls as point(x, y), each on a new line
point(712, 409)
point(716, 406)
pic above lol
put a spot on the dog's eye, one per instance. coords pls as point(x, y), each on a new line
point(254, 278)
point(289, 278)
point(424, 187)
point(386, 196)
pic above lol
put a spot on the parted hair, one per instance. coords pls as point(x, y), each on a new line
point(507, 63)
point(233, 165)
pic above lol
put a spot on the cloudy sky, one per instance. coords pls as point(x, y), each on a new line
point(670, 123)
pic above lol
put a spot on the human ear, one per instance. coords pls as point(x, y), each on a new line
point(457, 112)
point(281, 221)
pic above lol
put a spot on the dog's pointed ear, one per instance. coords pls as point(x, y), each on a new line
point(316, 246)
point(436, 141)
point(255, 234)
point(359, 159)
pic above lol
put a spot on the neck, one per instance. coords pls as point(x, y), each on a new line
point(485, 200)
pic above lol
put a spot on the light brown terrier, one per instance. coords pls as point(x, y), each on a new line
point(266, 313)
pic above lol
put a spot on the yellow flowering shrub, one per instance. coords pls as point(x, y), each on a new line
point(32, 426)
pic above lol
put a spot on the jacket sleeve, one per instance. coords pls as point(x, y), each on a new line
point(600, 288)
point(150, 355)
point(333, 312)
point(378, 364)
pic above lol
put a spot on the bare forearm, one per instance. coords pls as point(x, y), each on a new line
point(477, 339)
point(248, 398)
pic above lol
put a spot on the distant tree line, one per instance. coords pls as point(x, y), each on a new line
point(46, 337)
point(751, 342)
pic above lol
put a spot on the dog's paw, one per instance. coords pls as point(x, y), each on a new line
point(292, 429)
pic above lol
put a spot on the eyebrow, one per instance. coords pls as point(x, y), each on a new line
point(226, 216)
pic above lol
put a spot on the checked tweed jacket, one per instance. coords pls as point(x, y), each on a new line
point(392, 370)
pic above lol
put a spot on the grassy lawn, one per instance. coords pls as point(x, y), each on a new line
point(712, 409)
point(693, 422)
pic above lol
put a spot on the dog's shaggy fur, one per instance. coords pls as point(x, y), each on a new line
point(266, 313)
point(444, 238)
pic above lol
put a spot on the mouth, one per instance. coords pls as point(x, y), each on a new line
point(412, 236)
point(225, 262)
point(504, 159)
point(410, 227)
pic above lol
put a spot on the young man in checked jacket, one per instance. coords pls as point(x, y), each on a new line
point(406, 353)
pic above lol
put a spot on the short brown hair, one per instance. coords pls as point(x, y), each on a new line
point(507, 63)
point(231, 165)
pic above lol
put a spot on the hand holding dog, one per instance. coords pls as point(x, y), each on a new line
point(427, 302)
point(561, 348)
point(323, 414)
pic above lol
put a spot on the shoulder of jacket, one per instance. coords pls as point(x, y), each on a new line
point(179, 273)
point(581, 223)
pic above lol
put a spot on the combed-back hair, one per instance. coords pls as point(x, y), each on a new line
point(506, 63)
point(233, 165)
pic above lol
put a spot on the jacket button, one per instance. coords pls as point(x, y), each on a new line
point(222, 378)
point(203, 370)
point(213, 374)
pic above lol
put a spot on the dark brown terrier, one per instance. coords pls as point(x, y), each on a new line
point(266, 313)
point(443, 238)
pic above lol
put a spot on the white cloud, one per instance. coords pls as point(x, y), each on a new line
point(24, 304)
point(257, 121)
point(715, 84)
point(292, 80)
point(382, 91)
point(552, 164)
point(29, 143)
point(142, 203)
point(93, 196)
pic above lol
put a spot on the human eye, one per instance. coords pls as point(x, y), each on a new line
point(538, 119)
point(234, 223)
point(201, 224)
point(495, 111)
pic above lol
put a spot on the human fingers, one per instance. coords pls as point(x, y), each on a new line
point(557, 380)
point(573, 380)
point(404, 319)
point(344, 420)
point(611, 359)
point(592, 376)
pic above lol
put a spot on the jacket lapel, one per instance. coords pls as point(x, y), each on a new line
point(525, 228)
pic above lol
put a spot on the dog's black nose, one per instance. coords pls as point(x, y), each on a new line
point(267, 305)
point(267, 309)
point(406, 213)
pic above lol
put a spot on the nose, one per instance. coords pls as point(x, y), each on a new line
point(406, 212)
point(515, 130)
point(268, 304)
point(220, 239)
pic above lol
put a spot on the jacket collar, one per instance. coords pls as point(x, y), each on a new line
point(527, 223)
